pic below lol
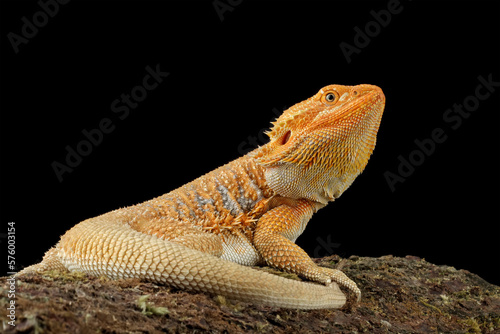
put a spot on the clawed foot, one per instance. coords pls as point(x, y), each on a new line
point(336, 276)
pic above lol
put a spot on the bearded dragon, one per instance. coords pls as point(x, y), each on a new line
point(203, 235)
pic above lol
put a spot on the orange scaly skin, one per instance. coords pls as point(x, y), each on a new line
point(201, 236)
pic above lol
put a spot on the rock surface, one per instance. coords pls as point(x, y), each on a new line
point(400, 295)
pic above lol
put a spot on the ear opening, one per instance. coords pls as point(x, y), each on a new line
point(286, 137)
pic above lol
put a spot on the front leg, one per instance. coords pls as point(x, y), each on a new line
point(274, 239)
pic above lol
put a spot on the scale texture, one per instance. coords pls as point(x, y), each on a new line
point(201, 236)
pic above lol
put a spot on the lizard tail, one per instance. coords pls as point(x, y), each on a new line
point(107, 246)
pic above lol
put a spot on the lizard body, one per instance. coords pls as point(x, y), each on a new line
point(248, 212)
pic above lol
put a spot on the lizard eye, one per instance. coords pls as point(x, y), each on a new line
point(330, 97)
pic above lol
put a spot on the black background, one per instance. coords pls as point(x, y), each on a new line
point(226, 77)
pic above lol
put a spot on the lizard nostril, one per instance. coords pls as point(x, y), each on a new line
point(355, 93)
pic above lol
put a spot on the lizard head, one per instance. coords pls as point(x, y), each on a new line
point(319, 146)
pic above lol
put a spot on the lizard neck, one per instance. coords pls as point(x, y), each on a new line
point(320, 187)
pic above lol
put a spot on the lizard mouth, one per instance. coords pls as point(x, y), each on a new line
point(369, 94)
point(368, 103)
point(377, 95)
